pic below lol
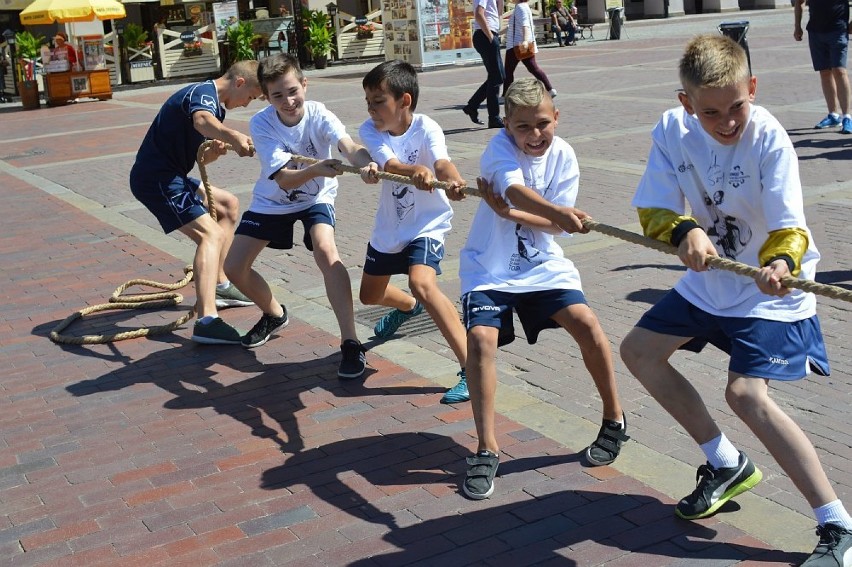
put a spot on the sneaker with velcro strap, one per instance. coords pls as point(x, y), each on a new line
point(231, 297)
point(834, 548)
point(611, 436)
point(263, 329)
point(714, 487)
point(482, 468)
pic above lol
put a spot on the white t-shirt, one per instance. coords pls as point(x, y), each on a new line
point(506, 256)
point(521, 16)
point(316, 136)
point(738, 194)
point(406, 213)
point(493, 12)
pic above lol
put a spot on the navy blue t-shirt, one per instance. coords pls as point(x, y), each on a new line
point(172, 142)
point(828, 15)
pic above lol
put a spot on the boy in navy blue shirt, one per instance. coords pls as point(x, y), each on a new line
point(160, 180)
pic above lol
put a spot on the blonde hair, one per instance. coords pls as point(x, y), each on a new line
point(525, 93)
point(711, 61)
point(247, 69)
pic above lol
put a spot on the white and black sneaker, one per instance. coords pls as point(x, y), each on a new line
point(263, 329)
point(717, 486)
point(354, 360)
point(834, 548)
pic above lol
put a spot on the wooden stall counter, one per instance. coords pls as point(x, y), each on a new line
point(60, 88)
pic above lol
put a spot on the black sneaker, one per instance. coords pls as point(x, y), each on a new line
point(354, 361)
point(611, 436)
point(717, 486)
point(263, 329)
point(834, 548)
point(216, 332)
point(482, 468)
point(495, 122)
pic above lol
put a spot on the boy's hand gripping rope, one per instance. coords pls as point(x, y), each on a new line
point(167, 298)
point(826, 290)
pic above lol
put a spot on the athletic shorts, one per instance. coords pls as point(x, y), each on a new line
point(828, 49)
point(775, 350)
point(175, 202)
point(420, 251)
point(278, 229)
point(493, 308)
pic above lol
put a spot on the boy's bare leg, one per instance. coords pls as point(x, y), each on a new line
point(338, 286)
point(782, 437)
point(482, 383)
point(238, 268)
point(209, 239)
point(424, 285)
point(580, 321)
point(829, 89)
point(646, 355)
point(227, 214)
point(377, 290)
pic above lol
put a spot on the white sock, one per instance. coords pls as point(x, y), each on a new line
point(207, 319)
point(721, 453)
point(834, 115)
point(833, 513)
point(847, 115)
point(224, 285)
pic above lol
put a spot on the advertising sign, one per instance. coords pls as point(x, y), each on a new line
point(225, 14)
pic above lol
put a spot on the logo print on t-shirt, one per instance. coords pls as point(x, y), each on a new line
point(715, 175)
point(312, 187)
point(728, 233)
point(737, 177)
point(403, 200)
point(208, 101)
point(527, 252)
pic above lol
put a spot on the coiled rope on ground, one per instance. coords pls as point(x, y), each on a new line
point(170, 297)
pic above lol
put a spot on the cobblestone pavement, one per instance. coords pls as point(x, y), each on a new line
point(161, 452)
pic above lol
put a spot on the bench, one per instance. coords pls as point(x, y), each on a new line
point(583, 28)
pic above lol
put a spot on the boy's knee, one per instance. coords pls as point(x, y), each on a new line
point(368, 298)
point(630, 350)
point(481, 342)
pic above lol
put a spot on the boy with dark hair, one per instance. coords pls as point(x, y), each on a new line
point(289, 192)
point(511, 262)
point(160, 180)
point(735, 167)
point(412, 219)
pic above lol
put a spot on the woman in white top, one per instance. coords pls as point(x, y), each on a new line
point(521, 32)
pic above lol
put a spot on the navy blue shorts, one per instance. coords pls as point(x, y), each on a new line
point(420, 251)
point(828, 49)
point(175, 202)
point(775, 350)
point(278, 229)
point(492, 308)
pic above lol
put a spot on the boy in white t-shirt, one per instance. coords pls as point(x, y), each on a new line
point(735, 167)
point(412, 220)
point(512, 263)
point(288, 192)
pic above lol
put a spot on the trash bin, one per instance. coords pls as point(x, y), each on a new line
point(737, 31)
point(615, 22)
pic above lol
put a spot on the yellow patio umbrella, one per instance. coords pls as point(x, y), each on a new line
point(64, 11)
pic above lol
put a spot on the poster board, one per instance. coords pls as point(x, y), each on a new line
point(429, 32)
point(225, 14)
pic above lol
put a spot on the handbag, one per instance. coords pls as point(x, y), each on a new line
point(520, 52)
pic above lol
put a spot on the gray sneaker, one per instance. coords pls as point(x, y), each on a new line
point(216, 332)
point(231, 297)
point(834, 548)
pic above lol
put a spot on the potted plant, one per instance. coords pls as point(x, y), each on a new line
point(240, 36)
point(319, 41)
point(365, 31)
point(28, 50)
point(140, 56)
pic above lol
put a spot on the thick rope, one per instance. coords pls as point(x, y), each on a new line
point(168, 298)
point(826, 290)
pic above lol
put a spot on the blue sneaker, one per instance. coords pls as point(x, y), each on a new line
point(457, 393)
point(828, 121)
point(846, 128)
point(388, 324)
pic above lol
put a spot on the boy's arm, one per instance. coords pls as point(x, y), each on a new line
point(787, 244)
point(289, 179)
point(360, 158)
point(209, 126)
point(421, 176)
point(445, 170)
point(502, 209)
point(568, 219)
point(684, 232)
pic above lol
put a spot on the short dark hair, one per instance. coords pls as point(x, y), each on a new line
point(275, 66)
point(398, 76)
